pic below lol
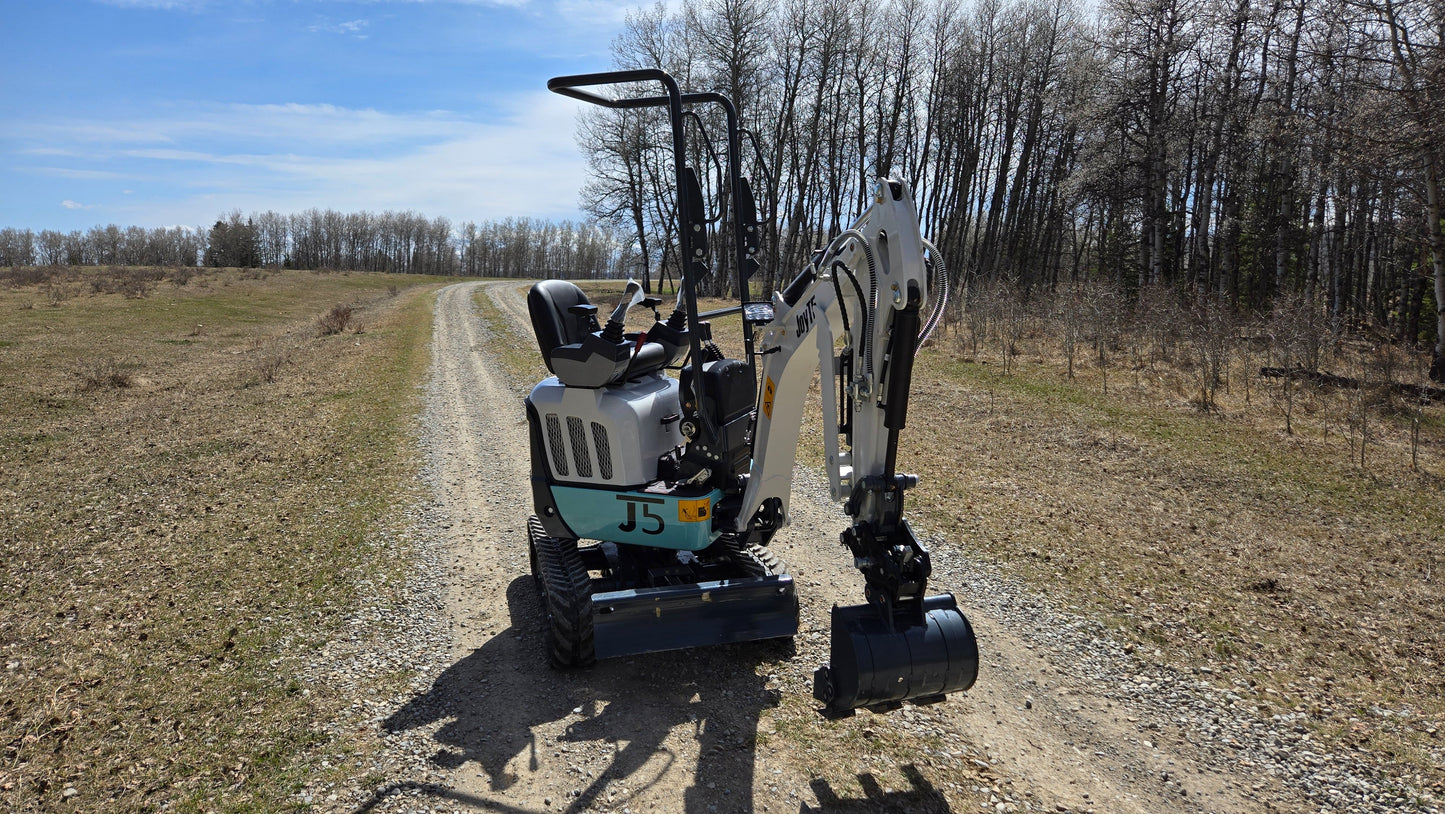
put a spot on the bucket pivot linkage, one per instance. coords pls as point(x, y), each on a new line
point(902, 645)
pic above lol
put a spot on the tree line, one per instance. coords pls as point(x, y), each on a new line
point(399, 242)
point(1236, 150)
point(102, 246)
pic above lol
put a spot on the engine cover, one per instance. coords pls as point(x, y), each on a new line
point(608, 436)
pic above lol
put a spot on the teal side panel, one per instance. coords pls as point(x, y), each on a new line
point(639, 518)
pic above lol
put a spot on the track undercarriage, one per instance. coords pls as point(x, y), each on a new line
point(604, 599)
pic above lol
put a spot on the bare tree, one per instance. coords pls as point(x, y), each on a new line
point(1416, 40)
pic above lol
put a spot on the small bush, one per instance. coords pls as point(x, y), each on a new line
point(106, 374)
point(1211, 332)
point(136, 289)
point(335, 321)
point(133, 283)
point(23, 276)
point(270, 362)
point(57, 292)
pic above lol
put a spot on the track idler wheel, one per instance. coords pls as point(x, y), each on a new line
point(872, 666)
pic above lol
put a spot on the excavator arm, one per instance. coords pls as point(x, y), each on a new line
point(857, 311)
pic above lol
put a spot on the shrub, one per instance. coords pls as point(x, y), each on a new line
point(270, 362)
point(106, 374)
point(335, 321)
point(133, 283)
point(1211, 339)
point(57, 292)
point(22, 276)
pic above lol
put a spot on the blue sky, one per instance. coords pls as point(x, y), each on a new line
point(172, 112)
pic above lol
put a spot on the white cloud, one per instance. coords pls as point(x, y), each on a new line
point(79, 174)
point(352, 27)
point(521, 161)
point(69, 204)
point(608, 13)
point(461, 2)
point(287, 123)
point(70, 132)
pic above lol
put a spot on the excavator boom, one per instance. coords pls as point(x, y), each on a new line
point(859, 306)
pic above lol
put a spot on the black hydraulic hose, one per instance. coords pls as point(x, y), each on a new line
point(735, 187)
point(867, 317)
point(872, 306)
point(763, 166)
point(712, 154)
point(838, 291)
point(866, 346)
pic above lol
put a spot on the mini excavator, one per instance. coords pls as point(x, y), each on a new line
point(656, 496)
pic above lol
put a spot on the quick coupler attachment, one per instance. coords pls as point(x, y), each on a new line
point(871, 665)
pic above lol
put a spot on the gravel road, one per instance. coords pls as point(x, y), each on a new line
point(1062, 717)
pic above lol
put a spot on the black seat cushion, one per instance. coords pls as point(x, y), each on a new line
point(552, 323)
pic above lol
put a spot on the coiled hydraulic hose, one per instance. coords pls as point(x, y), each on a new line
point(940, 271)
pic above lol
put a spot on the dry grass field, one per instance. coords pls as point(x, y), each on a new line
point(1213, 541)
point(1233, 540)
point(195, 468)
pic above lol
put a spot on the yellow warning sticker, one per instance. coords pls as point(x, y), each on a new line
point(769, 390)
point(694, 511)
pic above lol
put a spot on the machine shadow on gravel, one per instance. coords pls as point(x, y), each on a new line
point(923, 798)
point(493, 702)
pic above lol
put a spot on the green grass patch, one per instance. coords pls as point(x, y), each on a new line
point(513, 344)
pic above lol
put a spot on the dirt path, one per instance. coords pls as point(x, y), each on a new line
point(1050, 725)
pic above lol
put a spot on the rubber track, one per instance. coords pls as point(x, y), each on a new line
point(756, 560)
point(566, 596)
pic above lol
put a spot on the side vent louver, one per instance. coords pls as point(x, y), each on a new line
point(554, 442)
point(577, 442)
point(581, 456)
point(604, 451)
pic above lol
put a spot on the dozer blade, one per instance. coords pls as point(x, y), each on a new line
point(648, 620)
point(872, 666)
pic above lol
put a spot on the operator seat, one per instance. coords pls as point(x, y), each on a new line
point(554, 320)
point(565, 324)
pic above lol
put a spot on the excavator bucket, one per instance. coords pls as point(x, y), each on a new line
point(872, 665)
